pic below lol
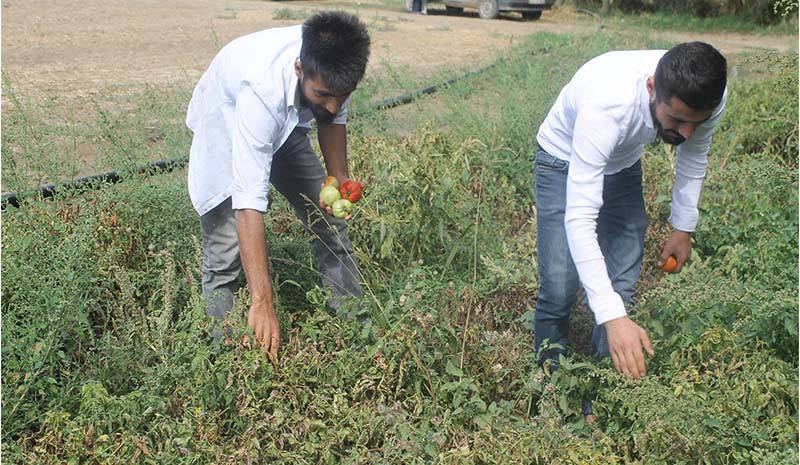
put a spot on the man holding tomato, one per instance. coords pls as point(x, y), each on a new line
point(250, 114)
point(590, 207)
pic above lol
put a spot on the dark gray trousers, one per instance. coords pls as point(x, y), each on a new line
point(297, 174)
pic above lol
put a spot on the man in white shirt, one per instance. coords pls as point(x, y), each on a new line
point(590, 207)
point(250, 114)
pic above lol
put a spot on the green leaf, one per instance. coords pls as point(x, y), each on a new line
point(453, 370)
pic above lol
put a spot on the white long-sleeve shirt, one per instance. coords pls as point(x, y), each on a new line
point(242, 111)
point(599, 124)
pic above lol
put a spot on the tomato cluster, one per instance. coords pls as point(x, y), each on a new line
point(341, 199)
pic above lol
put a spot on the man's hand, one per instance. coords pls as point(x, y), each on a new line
point(679, 245)
point(333, 143)
point(255, 260)
point(625, 341)
point(327, 208)
point(264, 321)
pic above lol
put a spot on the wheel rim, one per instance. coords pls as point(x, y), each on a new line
point(486, 8)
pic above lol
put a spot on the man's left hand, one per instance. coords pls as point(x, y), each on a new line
point(328, 209)
point(679, 245)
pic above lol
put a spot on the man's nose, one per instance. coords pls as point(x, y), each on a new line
point(686, 130)
point(332, 106)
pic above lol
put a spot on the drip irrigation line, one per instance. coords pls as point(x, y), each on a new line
point(411, 96)
point(98, 181)
point(95, 181)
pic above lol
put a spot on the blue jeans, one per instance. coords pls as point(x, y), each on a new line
point(621, 227)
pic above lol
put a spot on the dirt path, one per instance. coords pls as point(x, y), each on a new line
point(71, 48)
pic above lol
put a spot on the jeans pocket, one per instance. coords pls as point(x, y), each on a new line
point(545, 160)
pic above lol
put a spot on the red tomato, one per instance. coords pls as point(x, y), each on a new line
point(351, 190)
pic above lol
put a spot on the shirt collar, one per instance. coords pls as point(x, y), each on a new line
point(645, 106)
point(293, 102)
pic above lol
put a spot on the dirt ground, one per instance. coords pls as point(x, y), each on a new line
point(71, 48)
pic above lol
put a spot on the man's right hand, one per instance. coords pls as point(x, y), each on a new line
point(625, 341)
point(264, 321)
point(255, 260)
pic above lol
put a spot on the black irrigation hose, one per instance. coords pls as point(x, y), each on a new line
point(97, 181)
point(411, 96)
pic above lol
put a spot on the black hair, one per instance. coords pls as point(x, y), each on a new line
point(694, 72)
point(336, 48)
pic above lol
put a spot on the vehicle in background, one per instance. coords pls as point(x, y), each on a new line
point(491, 9)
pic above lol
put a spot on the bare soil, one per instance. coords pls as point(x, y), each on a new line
point(71, 48)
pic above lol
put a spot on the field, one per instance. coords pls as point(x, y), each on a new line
point(106, 355)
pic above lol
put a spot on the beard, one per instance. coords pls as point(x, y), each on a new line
point(322, 115)
point(669, 136)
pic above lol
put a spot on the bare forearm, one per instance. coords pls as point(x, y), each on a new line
point(255, 255)
point(333, 142)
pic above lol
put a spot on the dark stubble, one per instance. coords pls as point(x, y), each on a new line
point(669, 136)
point(322, 115)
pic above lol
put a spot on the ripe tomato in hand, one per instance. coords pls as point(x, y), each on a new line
point(670, 265)
point(351, 190)
point(332, 181)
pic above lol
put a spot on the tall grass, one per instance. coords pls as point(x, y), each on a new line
point(47, 139)
point(107, 355)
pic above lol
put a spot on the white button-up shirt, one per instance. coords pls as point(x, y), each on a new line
point(242, 111)
point(600, 123)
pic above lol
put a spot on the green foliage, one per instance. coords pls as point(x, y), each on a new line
point(434, 200)
point(107, 355)
point(79, 268)
point(758, 12)
point(759, 122)
point(784, 8)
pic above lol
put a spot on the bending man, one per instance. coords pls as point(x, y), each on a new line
point(250, 114)
point(590, 207)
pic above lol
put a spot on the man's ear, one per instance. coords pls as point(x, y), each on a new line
point(298, 69)
point(651, 86)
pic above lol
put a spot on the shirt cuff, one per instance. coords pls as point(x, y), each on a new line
point(685, 226)
point(607, 307)
point(250, 201)
point(683, 218)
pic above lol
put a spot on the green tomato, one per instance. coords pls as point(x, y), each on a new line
point(329, 195)
point(342, 208)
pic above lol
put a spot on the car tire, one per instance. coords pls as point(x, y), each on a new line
point(487, 9)
point(531, 14)
point(453, 9)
